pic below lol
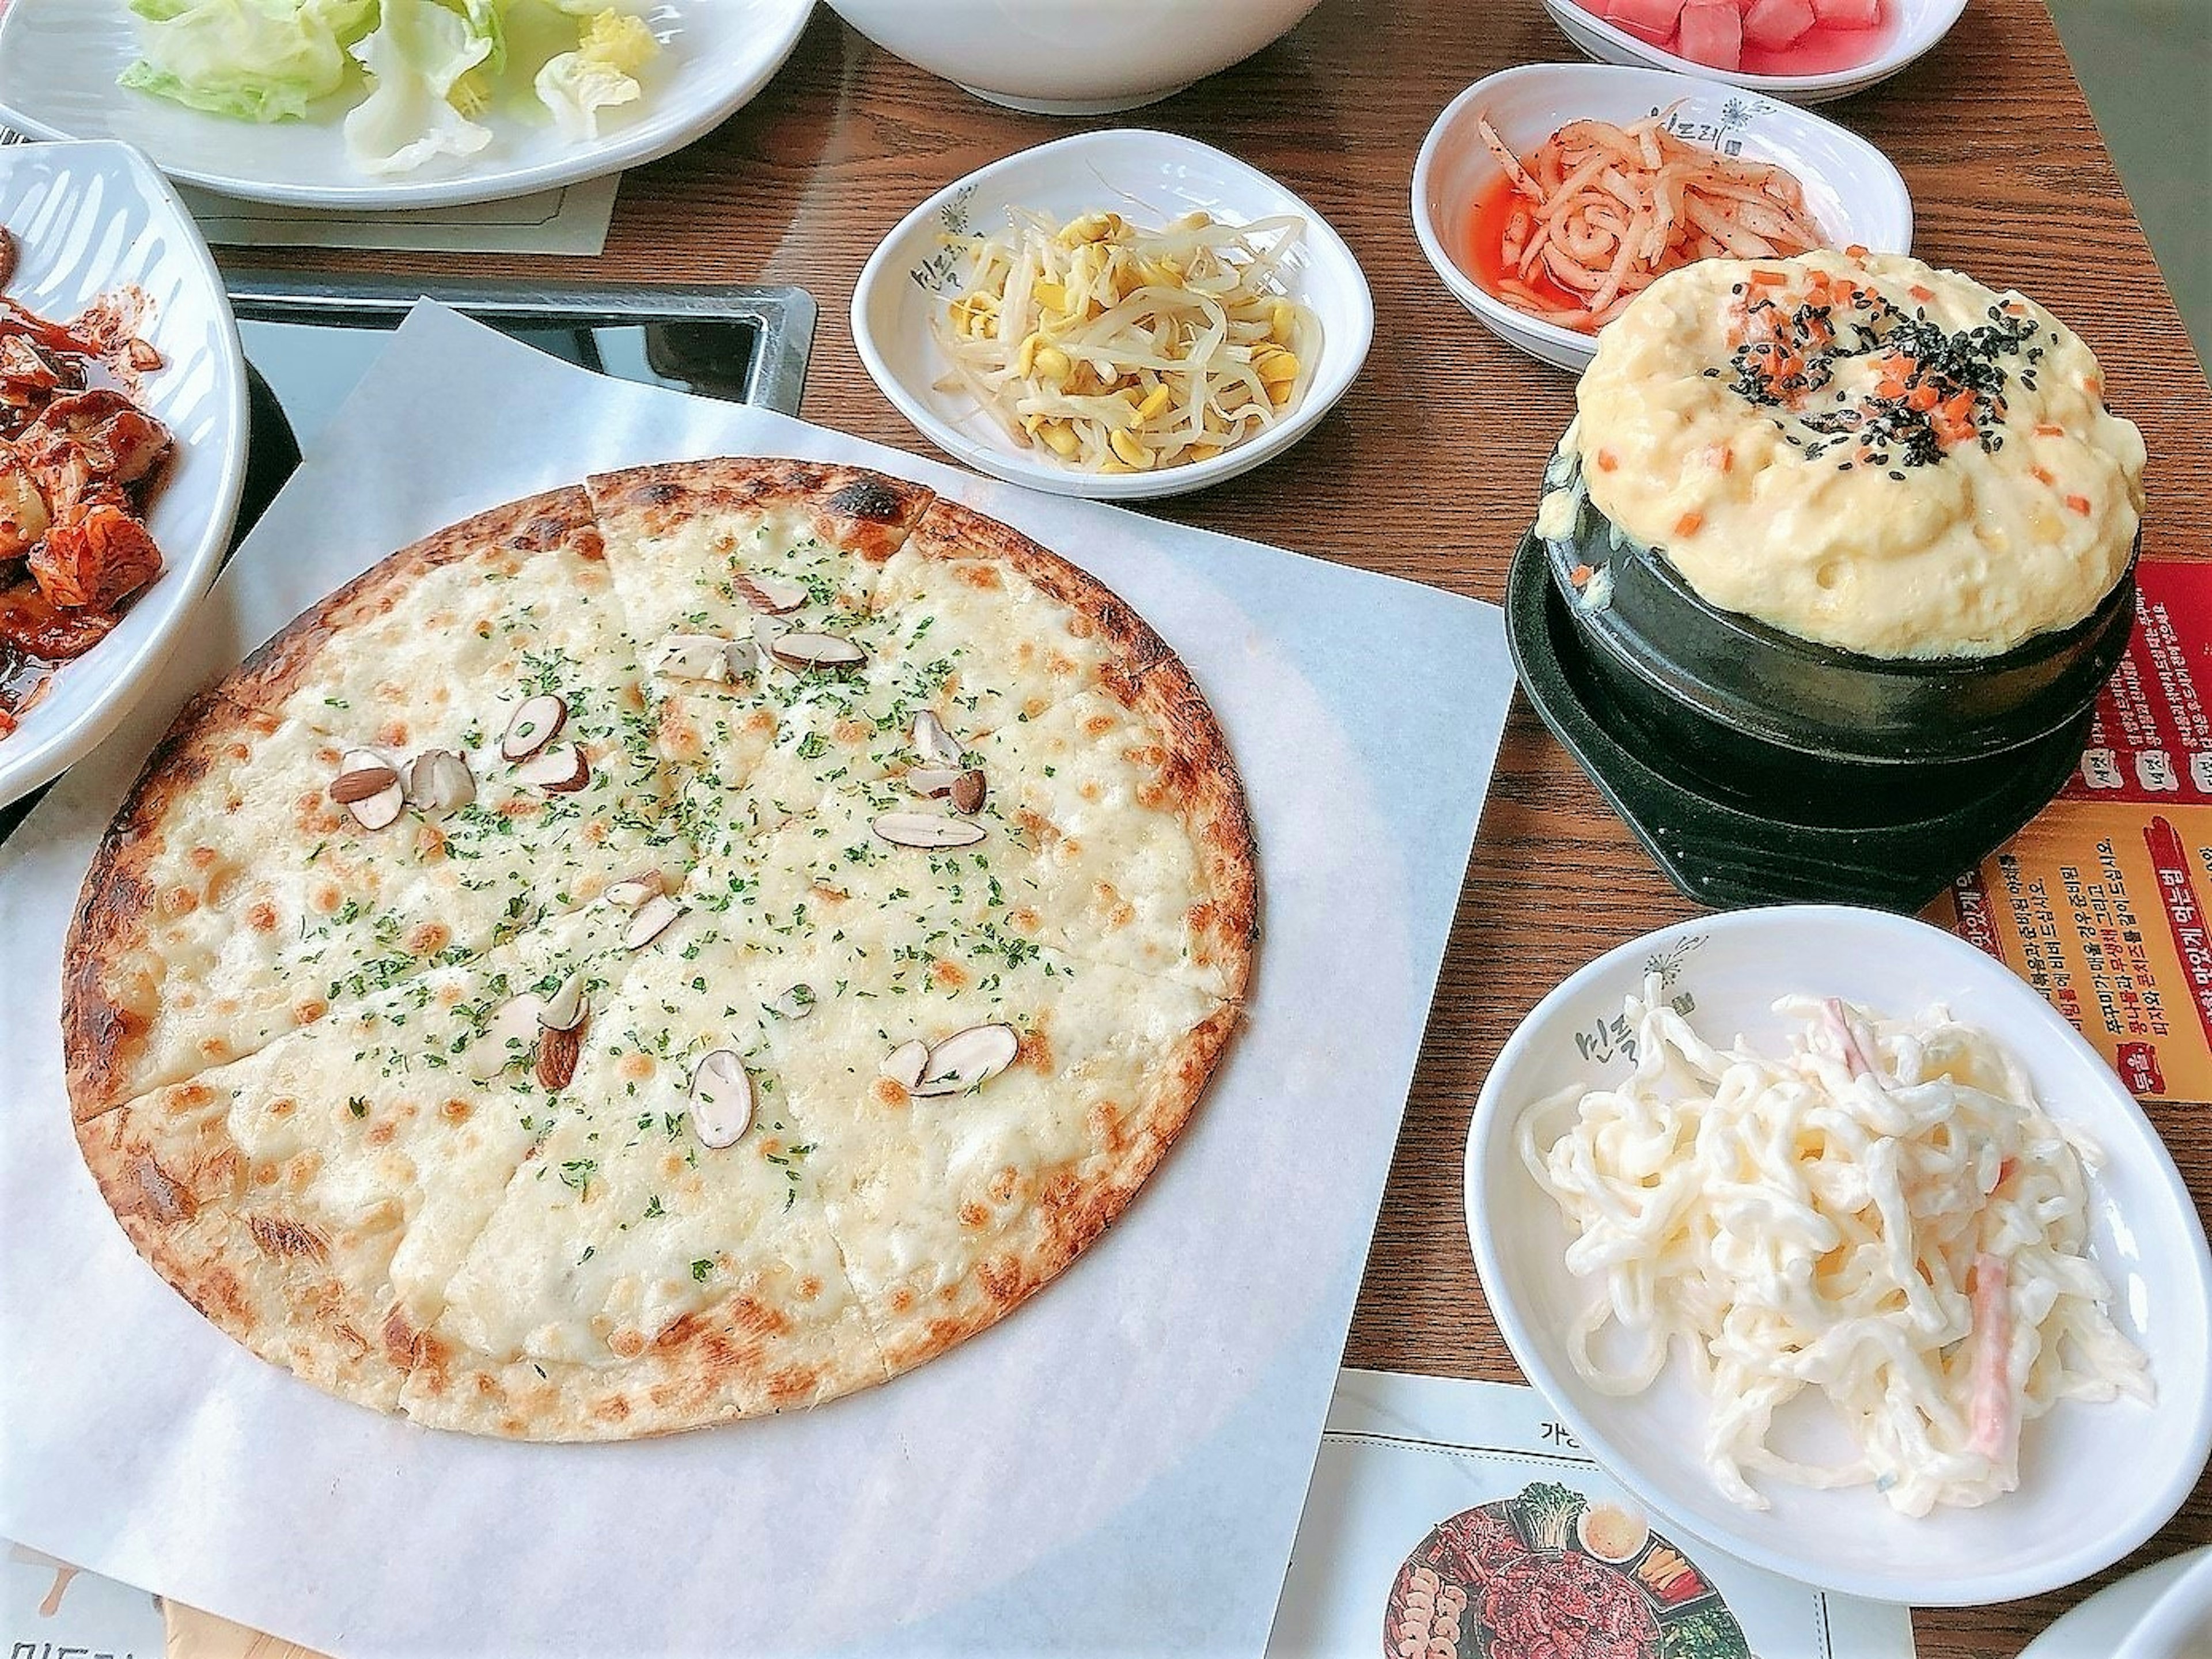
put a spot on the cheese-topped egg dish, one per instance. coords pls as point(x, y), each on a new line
point(1863, 451)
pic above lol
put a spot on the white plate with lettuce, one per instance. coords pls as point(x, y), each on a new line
point(384, 103)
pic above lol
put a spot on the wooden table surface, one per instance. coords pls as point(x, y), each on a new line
point(1430, 468)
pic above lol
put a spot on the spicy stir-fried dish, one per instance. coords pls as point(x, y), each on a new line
point(78, 459)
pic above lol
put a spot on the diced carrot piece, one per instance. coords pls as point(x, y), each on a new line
point(1855, 250)
point(1767, 279)
point(2044, 429)
point(1891, 389)
point(2079, 504)
point(1606, 460)
point(1921, 293)
point(1580, 574)
point(1689, 524)
point(1960, 407)
point(1712, 34)
point(1922, 397)
point(2041, 475)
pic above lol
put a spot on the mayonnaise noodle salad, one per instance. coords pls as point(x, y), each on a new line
point(431, 73)
point(1884, 1215)
point(1117, 349)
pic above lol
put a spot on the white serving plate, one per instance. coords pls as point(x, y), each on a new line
point(2071, 1516)
point(2101, 1624)
point(59, 58)
point(1150, 177)
point(90, 218)
point(1854, 192)
point(1924, 23)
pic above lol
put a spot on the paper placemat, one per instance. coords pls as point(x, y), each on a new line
point(572, 220)
point(1480, 1483)
point(1120, 1465)
point(2101, 903)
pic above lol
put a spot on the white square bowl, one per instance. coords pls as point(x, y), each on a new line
point(1851, 187)
point(1150, 177)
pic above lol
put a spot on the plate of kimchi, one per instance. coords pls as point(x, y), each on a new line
point(122, 442)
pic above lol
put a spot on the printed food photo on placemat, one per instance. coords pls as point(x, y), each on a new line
point(1550, 1574)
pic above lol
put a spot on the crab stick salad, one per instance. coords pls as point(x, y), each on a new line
point(1859, 450)
point(1882, 1219)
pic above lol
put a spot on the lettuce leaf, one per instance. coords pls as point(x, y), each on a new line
point(415, 56)
point(601, 72)
point(256, 60)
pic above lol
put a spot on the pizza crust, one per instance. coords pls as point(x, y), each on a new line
point(381, 1282)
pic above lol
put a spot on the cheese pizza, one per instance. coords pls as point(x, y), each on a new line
point(674, 949)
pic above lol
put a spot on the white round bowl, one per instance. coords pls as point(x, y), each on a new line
point(1151, 177)
point(1924, 23)
point(93, 218)
point(2071, 1515)
point(1051, 57)
point(1854, 192)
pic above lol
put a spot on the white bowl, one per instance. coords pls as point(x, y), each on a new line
point(2100, 1624)
point(1853, 191)
point(2096, 1480)
point(89, 219)
point(59, 58)
point(2179, 1625)
point(1924, 23)
point(1051, 57)
point(1152, 178)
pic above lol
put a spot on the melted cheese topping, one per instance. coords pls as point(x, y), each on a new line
point(1868, 453)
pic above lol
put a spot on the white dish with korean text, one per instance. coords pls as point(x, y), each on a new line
point(1851, 187)
point(2069, 1517)
point(1152, 178)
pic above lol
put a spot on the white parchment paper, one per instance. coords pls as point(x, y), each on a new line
point(1118, 1468)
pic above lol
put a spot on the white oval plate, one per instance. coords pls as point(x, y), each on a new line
point(2101, 1624)
point(1851, 186)
point(1151, 176)
point(2071, 1515)
point(1924, 23)
point(59, 58)
point(87, 219)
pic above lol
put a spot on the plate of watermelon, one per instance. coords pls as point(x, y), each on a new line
point(1806, 51)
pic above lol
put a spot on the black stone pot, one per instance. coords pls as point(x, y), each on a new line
point(1822, 734)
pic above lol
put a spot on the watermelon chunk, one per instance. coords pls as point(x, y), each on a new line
point(1848, 13)
point(1774, 24)
point(1712, 34)
point(1654, 20)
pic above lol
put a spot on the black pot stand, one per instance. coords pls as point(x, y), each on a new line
point(1723, 846)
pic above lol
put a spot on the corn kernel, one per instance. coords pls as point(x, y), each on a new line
point(1126, 446)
